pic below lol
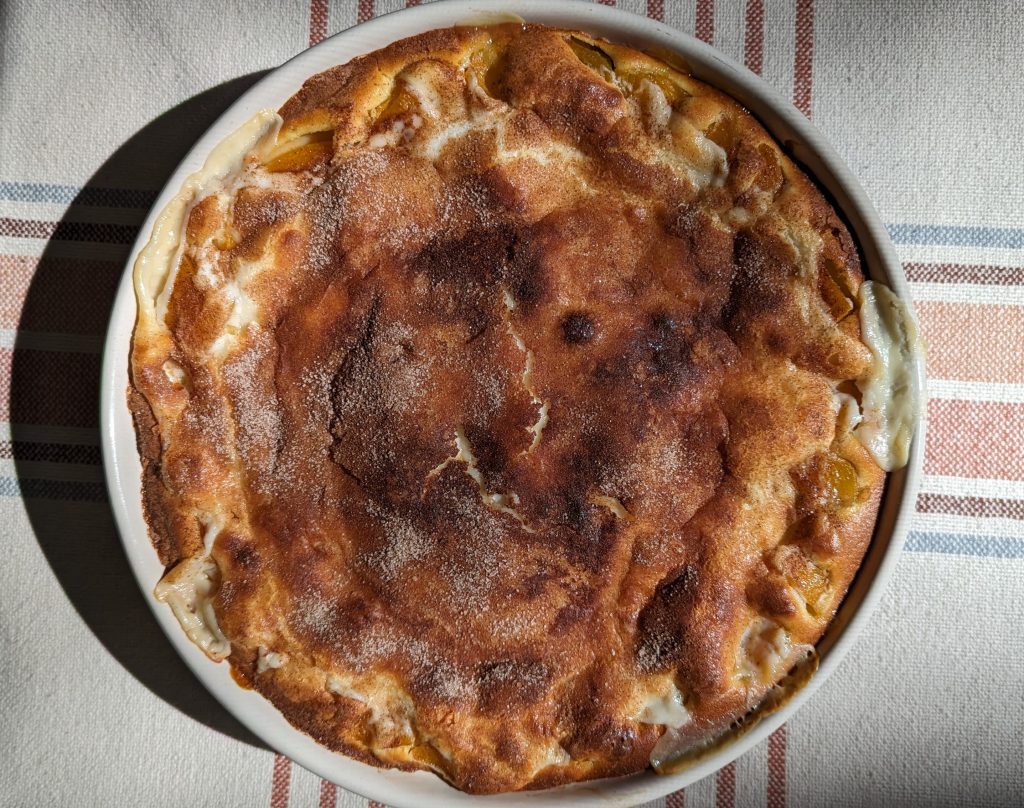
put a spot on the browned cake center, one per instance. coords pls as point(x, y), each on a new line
point(503, 426)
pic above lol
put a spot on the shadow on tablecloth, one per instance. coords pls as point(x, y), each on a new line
point(71, 293)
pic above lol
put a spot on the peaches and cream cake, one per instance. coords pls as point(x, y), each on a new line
point(511, 406)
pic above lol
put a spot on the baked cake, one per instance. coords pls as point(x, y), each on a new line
point(511, 406)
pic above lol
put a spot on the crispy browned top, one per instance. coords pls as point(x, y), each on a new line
point(531, 416)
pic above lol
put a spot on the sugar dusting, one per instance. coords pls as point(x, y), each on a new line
point(404, 545)
point(259, 432)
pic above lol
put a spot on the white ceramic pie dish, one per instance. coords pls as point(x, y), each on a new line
point(123, 469)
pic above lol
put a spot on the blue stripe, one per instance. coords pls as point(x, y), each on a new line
point(953, 544)
point(53, 489)
point(956, 236)
point(70, 194)
point(917, 541)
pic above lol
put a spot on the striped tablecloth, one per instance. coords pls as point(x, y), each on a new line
point(925, 101)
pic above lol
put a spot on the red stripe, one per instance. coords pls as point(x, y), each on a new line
point(50, 452)
point(280, 782)
point(16, 273)
point(49, 387)
point(69, 295)
point(964, 273)
point(973, 341)
point(704, 25)
point(725, 786)
point(677, 799)
point(975, 439)
point(803, 63)
point(753, 37)
point(69, 231)
point(983, 507)
point(606, 2)
point(410, 3)
point(63, 490)
point(318, 14)
point(328, 794)
point(656, 10)
point(777, 768)
point(364, 11)
point(375, 804)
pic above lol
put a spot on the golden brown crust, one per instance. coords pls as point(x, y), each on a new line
point(503, 394)
point(158, 513)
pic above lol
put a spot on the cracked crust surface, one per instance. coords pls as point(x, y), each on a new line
point(509, 395)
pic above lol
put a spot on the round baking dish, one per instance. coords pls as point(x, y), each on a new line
point(799, 139)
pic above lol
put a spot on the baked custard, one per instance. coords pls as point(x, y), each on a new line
point(510, 406)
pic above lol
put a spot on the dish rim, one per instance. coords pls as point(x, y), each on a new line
point(799, 139)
